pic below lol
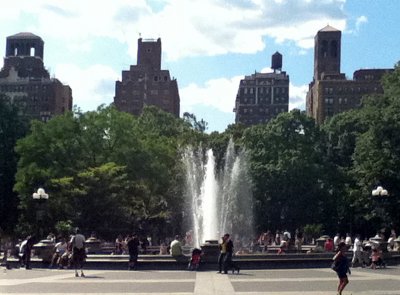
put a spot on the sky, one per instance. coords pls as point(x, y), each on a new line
point(207, 45)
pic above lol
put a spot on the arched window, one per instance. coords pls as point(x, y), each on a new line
point(334, 48)
point(324, 48)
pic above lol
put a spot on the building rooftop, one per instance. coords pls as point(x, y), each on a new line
point(328, 28)
point(24, 35)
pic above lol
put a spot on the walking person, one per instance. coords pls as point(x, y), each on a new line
point(228, 263)
point(357, 253)
point(222, 253)
point(25, 251)
point(341, 266)
point(78, 252)
point(133, 248)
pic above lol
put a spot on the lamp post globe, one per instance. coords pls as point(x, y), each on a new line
point(40, 196)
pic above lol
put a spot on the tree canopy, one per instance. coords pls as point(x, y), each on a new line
point(111, 172)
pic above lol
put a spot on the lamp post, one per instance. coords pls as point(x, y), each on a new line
point(40, 196)
point(379, 194)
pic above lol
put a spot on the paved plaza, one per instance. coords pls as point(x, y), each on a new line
point(248, 282)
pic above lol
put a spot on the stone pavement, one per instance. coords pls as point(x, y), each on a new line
point(248, 282)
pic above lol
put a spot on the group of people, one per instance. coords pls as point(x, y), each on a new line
point(122, 247)
point(365, 253)
point(341, 264)
point(65, 253)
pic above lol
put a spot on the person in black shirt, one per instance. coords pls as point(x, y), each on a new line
point(341, 266)
point(133, 249)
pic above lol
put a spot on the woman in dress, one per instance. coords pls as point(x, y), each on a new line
point(341, 266)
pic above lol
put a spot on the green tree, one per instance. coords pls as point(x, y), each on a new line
point(363, 145)
point(75, 151)
point(13, 125)
point(290, 173)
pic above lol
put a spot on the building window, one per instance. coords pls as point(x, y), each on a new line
point(334, 48)
point(328, 100)
point(324, 48)
point(251, 90)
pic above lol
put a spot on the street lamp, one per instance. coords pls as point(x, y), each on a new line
point(41, 197)
point(380, 192)
point(40, 194)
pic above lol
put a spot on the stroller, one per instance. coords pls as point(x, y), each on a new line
point(195, 260)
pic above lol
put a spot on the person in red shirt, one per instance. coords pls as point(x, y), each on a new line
point(329, 247)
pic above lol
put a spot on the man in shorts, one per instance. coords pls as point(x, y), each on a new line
point(78, 252)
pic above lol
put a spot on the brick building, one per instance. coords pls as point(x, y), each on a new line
point(262, 96)
point(26, 83)
point(331, 92)
point(146, 83)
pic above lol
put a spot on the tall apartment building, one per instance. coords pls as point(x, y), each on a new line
point(146, 83)
point(262, 96)
point(25, 81)
point(331, 92)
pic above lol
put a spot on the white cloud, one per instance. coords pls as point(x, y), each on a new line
point(297, 96)
point(187, 28)
point(360, 21)
point(91, 86)
point(218, 93)
point(221, 94)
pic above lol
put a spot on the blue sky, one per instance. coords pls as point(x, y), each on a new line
point(208, 45)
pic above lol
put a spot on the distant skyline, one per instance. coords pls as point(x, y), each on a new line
point(208, 45)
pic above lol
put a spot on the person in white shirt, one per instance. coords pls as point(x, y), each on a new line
point(78, 251)
point(391, 242)
point(336, 240)
point(357, 252)
point(348, 241)
point(60, 248)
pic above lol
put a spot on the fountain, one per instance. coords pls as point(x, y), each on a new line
point(220, 201)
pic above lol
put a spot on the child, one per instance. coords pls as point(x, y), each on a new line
point(194, 263)
point(376, 259)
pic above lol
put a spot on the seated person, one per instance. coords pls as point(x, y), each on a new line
point(329, 246)
point(376, 259)
point(283, 247)
point(176, 249)
point(60, 248)
point(163, 249)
